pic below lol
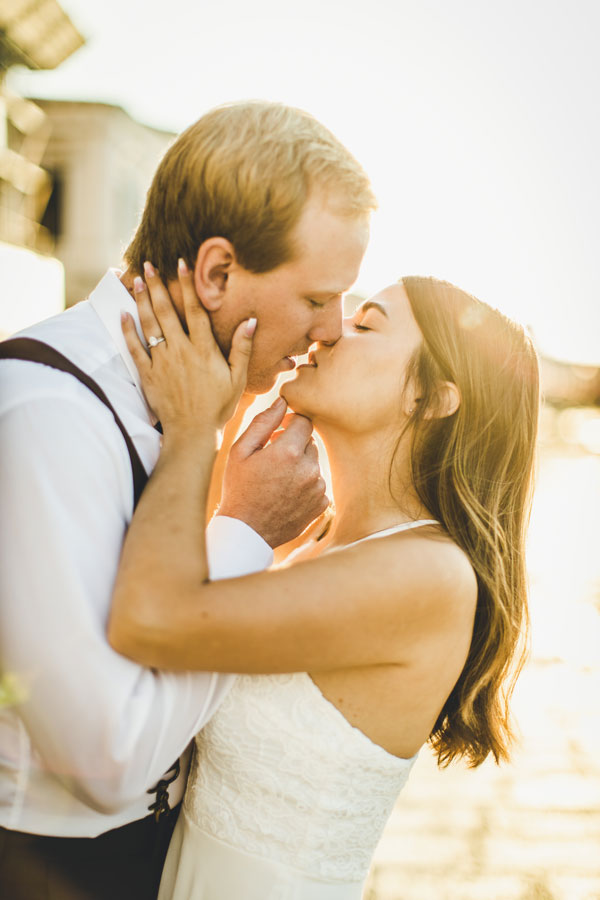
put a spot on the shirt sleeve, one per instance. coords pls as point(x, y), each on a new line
point(107, 727)
point(233, 548)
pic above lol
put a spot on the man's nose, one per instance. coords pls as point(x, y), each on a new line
point(327, 328)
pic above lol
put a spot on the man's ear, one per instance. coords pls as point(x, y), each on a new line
point(448, 401)
point(211, 271)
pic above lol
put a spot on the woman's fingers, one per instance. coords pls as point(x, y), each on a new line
point(135, 346)
point(196, 317)
point(158, 298)
point(193, 379)
point(148, 320)
point(239, 356)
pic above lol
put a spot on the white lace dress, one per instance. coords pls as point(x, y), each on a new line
point(286, 800)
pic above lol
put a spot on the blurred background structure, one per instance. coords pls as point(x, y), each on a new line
point(73, 176)
point(101, 162)
point(480, 126)
point(35, 35)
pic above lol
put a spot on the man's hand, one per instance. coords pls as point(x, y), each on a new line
point(276, 488)
point(230, 433)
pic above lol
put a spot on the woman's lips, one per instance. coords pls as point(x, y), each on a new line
point(311, 363)
point(291, 362)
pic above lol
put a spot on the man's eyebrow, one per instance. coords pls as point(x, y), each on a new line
point(373, 304)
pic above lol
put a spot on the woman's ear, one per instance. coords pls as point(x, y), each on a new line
point(447, 401)
point(211, 271)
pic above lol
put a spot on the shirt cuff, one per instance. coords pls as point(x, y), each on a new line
point(234, 549)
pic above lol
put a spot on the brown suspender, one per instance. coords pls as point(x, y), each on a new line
point(30, 350)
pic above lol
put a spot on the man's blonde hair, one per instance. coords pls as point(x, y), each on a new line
point(244, 172)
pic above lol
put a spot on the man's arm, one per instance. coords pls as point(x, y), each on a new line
point(105, 726)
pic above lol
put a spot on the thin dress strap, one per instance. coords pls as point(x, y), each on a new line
point(404, 526)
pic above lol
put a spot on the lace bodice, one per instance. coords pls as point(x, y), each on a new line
point(286, 800)
point(281, 774)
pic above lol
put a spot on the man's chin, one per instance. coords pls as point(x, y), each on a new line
point(261, 382)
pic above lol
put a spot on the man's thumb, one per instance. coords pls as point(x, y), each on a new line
point(261, 428)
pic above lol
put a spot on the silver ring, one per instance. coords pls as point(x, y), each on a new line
point(153, 341)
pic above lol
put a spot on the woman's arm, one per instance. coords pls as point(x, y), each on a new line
point(374, 603)
point(369, 604)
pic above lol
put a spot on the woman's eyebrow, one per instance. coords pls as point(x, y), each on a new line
point(373, 304)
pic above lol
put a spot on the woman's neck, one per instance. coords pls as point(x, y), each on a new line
point(366, 499)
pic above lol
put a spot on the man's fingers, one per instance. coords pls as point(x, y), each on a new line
point(281, 430)
point(298, 432)
point(261, 428)
point(322, 506)
point(135, 346)
point(312, 451)
point(196, 317)
point(321, 484)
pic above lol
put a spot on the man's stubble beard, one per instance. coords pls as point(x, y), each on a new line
point(260, 381)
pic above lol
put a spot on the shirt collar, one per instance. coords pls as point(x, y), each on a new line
point(109, 299)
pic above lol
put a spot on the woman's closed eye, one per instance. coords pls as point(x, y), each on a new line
point(358, 327)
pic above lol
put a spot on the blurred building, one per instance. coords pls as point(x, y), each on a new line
point(73, 176)
point(101, 163)
point(39, 35)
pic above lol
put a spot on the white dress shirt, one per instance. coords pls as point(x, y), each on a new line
point(91, 731)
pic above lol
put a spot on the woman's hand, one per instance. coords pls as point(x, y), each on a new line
point(186, 379)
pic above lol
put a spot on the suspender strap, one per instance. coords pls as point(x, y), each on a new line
point(30, 350)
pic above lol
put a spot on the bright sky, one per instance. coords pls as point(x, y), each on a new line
point(478, 122)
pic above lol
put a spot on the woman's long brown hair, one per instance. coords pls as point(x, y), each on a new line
point(473, 471)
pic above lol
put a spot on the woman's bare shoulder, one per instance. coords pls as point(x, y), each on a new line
point(429, 561)
point(443, 559)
